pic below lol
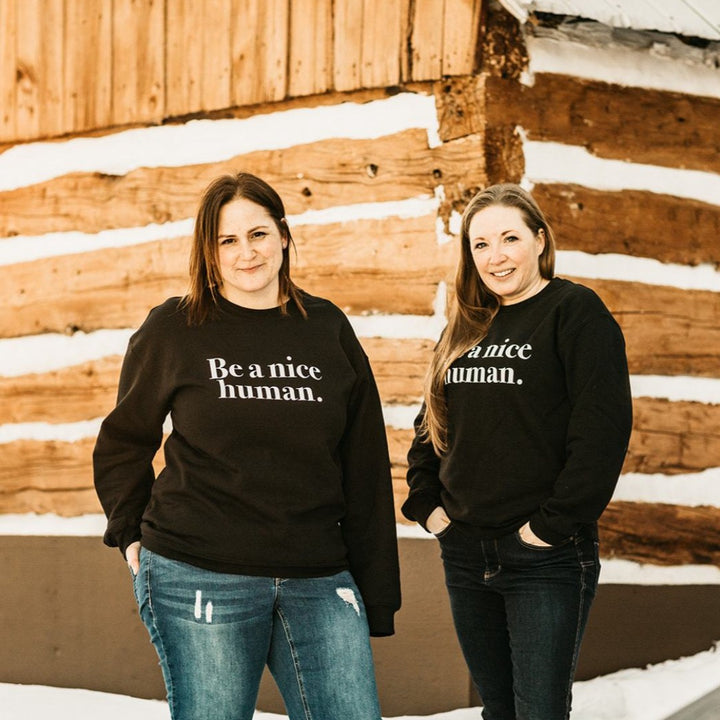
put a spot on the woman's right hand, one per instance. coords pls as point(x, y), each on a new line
point(132, 556)
point(437, 520)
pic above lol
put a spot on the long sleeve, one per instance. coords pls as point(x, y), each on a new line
point(369, 523)
point(422, 477)
point(126, 445)
point(598, 430)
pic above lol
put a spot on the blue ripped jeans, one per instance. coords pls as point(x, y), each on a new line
point(520, 612)
point(214, 633)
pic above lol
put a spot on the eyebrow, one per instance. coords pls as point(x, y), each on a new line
point(251, 230)
point(504, 232)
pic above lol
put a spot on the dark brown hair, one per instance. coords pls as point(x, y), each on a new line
point(205, 279)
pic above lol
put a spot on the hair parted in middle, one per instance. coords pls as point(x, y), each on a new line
point(205, 278)
point(474, 305)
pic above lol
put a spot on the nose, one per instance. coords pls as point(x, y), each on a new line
point(245, 250)
point(497, 254)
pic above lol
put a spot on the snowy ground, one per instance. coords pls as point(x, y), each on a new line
point(649, 694)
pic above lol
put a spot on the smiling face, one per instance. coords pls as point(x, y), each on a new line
point(505, 252)
point(250, 254)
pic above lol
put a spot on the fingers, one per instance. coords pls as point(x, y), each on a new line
point(437, 520)
point(132, 556)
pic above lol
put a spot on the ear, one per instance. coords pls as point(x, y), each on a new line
point(540, 240)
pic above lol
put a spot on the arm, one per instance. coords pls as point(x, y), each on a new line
point(424, 481)
point(369, 524)
point(126, 445)
point(598, 430)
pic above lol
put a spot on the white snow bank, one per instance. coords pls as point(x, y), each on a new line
point(637, 694)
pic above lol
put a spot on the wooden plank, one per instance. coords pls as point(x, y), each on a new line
point(673, 437)
point(633, 124)
point(29, 40)
point(669, 331)
point(313, 176)
point(310, 39)
point(138, 68)
point(461, 36)
point(216, 67)
point(259, 51)
point(88, 65)
point(382, 43)
point(71, 394)
point(183, 57)
point(661, 534)
point(8, 70)
point(347, 44)
point(630, 222)
point(426, 40)
point(353, 263)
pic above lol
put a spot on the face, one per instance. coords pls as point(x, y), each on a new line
point(250, 254)
point(506, 253)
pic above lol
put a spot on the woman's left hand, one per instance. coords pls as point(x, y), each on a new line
point(529, 537)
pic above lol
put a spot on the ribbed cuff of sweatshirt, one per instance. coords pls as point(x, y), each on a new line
point(419, 505)
point(381, 620)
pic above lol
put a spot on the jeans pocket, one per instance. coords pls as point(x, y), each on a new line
point(540, 548)
point(444, 531)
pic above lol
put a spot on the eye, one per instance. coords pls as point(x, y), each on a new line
point(511, 238)
point(258, 235)
point(227, 240)
point(479, 245)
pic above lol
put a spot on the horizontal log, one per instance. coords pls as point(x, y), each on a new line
point(71, 394)
point(388, 265)
point(626, 123)
point(314, 176)
point(640, 224)
point(661, 534)
point(669, 331)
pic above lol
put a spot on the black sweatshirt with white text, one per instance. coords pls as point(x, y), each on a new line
point(277, 462)
point(539, 418)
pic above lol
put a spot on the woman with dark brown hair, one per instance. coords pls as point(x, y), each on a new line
point(518, 448)
point(269, 536)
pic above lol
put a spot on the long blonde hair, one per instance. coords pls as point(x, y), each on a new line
point(474, 306)
point(205, 279)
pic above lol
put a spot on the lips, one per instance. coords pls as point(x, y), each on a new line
point(503, 273)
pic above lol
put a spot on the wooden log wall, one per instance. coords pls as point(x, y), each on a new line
point(70, 66)
point(386, 265)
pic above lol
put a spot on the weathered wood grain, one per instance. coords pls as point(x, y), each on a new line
point(310, 52)
point(389, 265)
point(138, 65)
point(313, 176)
point(87, 64)
point(71, 394)
point(669, 331)
point(383, 40)
point(460, 36)
point(661, 534)
point(639, 224)
point(625, 123)
point(426, 42)
point(9, 70)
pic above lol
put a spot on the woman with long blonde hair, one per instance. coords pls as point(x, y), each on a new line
point(517, 451)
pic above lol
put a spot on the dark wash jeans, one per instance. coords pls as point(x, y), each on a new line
point(520, 612)
point(214, 633)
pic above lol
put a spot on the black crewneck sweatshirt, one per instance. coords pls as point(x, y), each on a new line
point(540, 414)
point(277, 463)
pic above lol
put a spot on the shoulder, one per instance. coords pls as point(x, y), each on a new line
point(164, 318)
point(578, 300)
